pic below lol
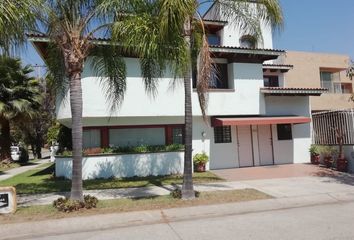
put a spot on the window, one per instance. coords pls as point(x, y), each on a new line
point(248, 41)
point(219, 78)
point(342, 88)
point(271, 81)
point(177, 135)
point(331, 81)
point(326, 81)
point(136, 136)
point(222, 134)
point(91, 138)
point(213, 39)
point(284, 132)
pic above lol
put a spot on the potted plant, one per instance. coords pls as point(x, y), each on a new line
point(199, 161)
point(315, 154)
point(342, 163)
point(327, 152)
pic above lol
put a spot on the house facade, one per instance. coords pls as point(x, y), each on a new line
point(254, 119)
point(321, 70)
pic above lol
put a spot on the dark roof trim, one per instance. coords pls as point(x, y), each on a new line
point(252, 50)
point(277, 66)
point(280, 91)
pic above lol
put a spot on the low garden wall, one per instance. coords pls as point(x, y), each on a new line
point(123, 165)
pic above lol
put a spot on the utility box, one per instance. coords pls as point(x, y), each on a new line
point(8, 202)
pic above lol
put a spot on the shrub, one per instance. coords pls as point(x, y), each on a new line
point(24, 158)
point(200, 158)
point(177, 193)
point(314, 150)
point(67, 205)
point(328, 151)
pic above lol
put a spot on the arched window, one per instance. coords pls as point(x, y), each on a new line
point(248, 41)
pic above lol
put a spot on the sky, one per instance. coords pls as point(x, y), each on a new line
point(310, 25)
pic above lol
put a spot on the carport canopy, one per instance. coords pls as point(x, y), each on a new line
point(261, 120)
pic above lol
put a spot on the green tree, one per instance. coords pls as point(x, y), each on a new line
point(20, 98)
point(171, 32)
point(15, 17)
point(69, 28)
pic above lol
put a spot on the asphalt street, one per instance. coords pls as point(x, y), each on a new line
point(328, 221)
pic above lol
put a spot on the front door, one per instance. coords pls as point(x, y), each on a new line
point(244, 143)
point(265, 144)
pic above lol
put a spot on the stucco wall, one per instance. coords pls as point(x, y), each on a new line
point(169, 102)
point(296, 150)
point(119, 166)
point(306, 73)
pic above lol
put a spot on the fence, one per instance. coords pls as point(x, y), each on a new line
point(326, 125)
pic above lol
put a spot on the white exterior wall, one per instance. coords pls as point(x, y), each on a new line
point(221, 155)
point(231, 34)
point(129, 165)
point(298, 148)
point(246, 79)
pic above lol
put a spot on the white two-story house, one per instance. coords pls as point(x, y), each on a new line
point(253, 119)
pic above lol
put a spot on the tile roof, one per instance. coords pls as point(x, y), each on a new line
point(243, 48)
point(287, 91)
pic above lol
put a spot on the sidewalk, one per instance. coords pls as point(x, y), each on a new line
point(12, 172)
point(278, 188)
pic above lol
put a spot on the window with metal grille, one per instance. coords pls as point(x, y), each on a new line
point(222, 134)
point(284, 132)
point(177, 135)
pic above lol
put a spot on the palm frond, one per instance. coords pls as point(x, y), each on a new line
point(108, 64)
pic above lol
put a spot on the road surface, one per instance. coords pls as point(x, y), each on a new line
point(328, 221)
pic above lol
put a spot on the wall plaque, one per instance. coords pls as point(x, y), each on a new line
point(7, 200)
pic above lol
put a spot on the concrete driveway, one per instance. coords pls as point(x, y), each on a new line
point(295, 180)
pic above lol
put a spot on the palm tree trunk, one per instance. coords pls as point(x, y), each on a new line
point(5, 141)
point(76, 113)
point(187, 187)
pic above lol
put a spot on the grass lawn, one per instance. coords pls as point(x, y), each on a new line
point(42, 180)
point(125, 205)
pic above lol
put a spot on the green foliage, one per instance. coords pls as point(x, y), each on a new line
point(177, 193)
point(53, 133)
point(327, 151)
point(67, 205)
point(122, 150)
point(64, 138)
point(314, 150)
point(24, 155)
point(200, 158)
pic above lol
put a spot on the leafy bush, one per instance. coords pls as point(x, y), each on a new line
point(200, 158)
point(314, 150)
point(328, 150)
point(67, 205)
point(177, 193)
point(24, 158)
point(127, 149)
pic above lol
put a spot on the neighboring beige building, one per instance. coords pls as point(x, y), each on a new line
point(321, 70)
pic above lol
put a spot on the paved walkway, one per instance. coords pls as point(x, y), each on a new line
point(341, 185)
point(15, 171)
point(274, 171)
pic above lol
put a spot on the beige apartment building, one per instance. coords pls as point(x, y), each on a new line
point(321, 70)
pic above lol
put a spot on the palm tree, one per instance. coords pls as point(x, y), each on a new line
point(171, 32)
point(70, 28)
point(20, 98)
point(15, 17)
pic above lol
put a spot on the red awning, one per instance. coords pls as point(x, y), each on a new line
point(233, 121)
